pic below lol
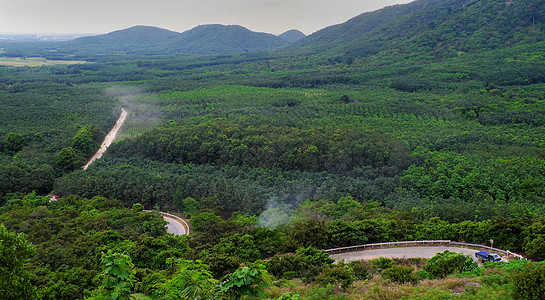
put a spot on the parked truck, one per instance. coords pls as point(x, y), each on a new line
point(487, 256)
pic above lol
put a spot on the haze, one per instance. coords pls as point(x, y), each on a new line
point(102, 16)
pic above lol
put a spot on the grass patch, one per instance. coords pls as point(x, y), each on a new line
point(34, 62)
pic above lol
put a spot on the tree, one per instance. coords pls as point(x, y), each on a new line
point(14, 252)
point(137, 207)
point(345, 206)
point(306, 233)
point(67, 159)
point(83, 140)
point(14, 142)
point(192, 280)
point(188, 206)
point(118, 276)
point(247, 282)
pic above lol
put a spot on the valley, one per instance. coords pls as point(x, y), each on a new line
point(422, 121)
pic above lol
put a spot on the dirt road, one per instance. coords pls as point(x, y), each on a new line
point(108, 139)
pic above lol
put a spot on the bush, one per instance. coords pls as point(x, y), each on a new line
point(530, 282)
point(250, 282)
point(137, 207)
point(337, 275)
point(446, 263)
point(361, 269)
point(400, 274)
point(382, 263)
point(307, 263)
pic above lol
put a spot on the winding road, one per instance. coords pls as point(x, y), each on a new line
point(174, 226)
point(403, 252)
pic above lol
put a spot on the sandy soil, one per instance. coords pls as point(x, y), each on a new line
point(108, 139)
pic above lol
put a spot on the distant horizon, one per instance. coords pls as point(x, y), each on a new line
point(76, 34)
point(86, 18)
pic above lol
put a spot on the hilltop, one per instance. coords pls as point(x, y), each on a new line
point(137, 37)
point(216, 38)
point(291, 36)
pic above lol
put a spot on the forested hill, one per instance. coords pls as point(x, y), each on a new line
point(433, 27)
point(137, 37)
point(216, 38)
point(291, 36)
point(203, 39)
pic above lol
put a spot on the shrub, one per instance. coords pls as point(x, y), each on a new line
point(400, 274)
point(446, 263)
point(530, 282)
point(361, 269)
point(250, 281)
point(382, 263)
point(337, 275)
point(137, 207)
point(307, 263)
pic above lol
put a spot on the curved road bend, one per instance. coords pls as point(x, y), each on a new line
point(174, 226)
point(401, 252)
point(108, 139)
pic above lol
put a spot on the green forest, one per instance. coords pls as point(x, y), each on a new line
point(424, 126)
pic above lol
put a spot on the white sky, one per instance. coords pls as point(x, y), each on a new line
point(102, 16)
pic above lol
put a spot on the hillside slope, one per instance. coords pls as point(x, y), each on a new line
point(137, 37)
point(435, 27)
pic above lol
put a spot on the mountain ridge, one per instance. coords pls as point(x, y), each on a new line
point(436, 27)
point(428, 29)
point(202, 39)
point(135, 37)
point(217, 38)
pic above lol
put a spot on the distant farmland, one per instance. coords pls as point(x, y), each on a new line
point(34, 62)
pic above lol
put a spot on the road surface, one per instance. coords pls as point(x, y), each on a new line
point(108, 139)
point(174, 226)
point(424, 252)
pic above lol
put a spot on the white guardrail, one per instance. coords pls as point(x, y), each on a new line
point(180, 220)
point(419, 244)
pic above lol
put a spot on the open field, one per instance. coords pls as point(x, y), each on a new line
point(34, 62)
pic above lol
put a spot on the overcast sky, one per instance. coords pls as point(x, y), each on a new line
point(102, 16)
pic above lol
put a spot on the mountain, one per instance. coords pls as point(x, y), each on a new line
point(213, 39)
point(292, 36)
point(434, 27)
point(203, 39)
point(133, 38)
